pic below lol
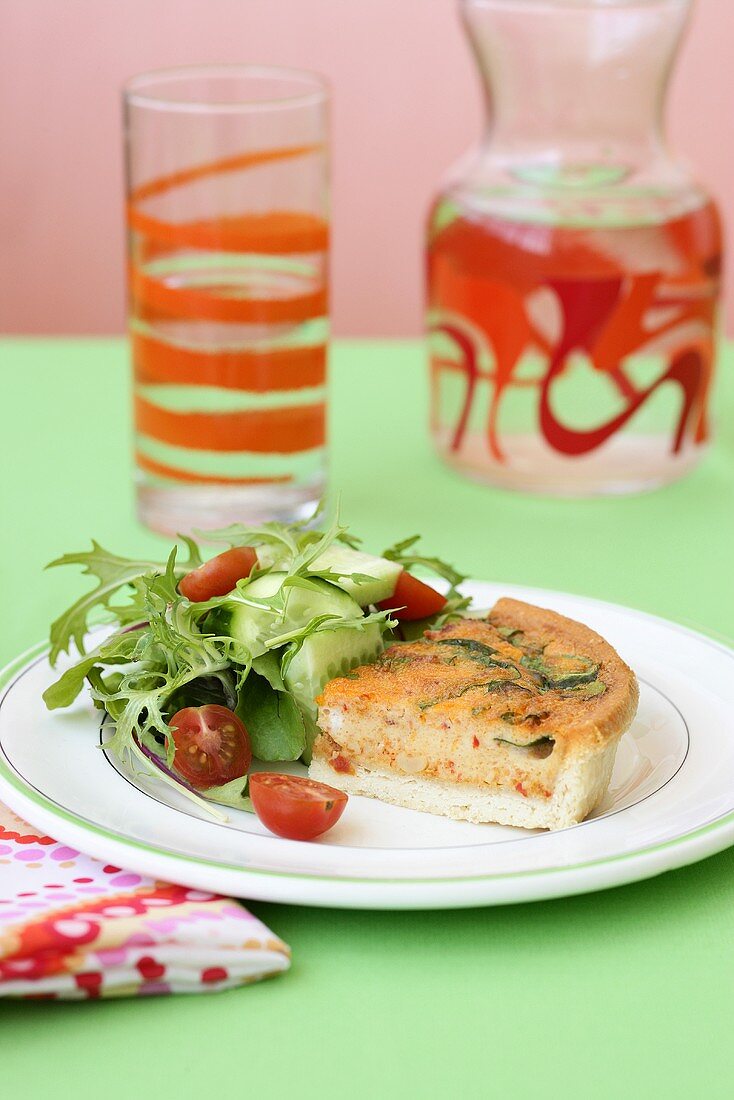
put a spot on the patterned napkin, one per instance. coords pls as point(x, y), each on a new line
point(73, 927)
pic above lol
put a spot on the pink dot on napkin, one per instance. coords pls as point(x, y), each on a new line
point(63, 853)
point(127, 879)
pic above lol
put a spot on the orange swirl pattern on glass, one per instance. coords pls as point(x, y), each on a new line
point(173, 473)
point(154, 301)
point(277, 232)
point(265, 371)
point(167, 307)
point(279, 430)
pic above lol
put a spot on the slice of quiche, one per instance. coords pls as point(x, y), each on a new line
point(514, 719)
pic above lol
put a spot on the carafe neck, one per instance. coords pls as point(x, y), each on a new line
point(573, 83)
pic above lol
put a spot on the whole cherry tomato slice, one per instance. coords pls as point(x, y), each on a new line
point(413, 600)
point(293, 806)
point(212, 745)
point(219, 575)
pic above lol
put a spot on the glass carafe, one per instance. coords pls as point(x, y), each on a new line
point(573, 265)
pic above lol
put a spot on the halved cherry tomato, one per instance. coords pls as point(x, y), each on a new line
point(219, 575)
point(293, 806)
point(212, 745)
point(413, 600)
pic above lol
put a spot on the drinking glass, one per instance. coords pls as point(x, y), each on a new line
point(227, 215)
point(573, 263)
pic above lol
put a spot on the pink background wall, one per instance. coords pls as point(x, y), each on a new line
point(406, 104)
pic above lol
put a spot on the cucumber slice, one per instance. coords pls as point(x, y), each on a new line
point(249, 625)
point(254, 626)
point(382, 574)
point(271, 556)
point(328, 654)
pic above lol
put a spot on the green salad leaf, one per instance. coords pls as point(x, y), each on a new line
point(272, 719)
point(169, 654)
point(114, 575)
point(232, 794)
point(403, 553)
point(120, 649)
point(268, 666)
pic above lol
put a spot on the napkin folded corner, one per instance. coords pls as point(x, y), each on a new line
point(72, 927)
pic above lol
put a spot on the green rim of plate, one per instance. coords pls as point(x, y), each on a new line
point(10, 673)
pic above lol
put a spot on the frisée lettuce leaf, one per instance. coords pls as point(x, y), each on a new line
point(115, 576)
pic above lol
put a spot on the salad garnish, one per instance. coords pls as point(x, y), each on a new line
point(214, 662)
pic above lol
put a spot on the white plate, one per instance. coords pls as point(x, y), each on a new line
point(671, 799)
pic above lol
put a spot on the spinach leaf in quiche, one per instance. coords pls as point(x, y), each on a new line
point(562, 670)
point(540, 747)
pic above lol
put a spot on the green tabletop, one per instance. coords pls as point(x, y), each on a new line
point(627, 993)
